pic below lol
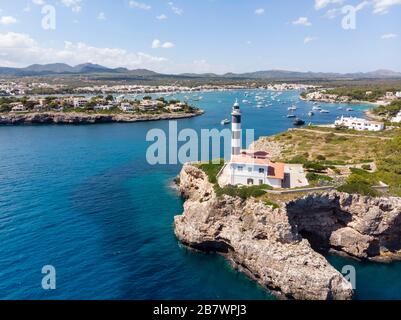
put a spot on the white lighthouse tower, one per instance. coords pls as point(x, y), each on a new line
point(236, 140)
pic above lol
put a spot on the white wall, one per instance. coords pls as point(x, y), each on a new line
point(241, 177)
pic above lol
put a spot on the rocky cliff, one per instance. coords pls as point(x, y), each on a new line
point(361, 227)
point(84, 118)
point(257, 239)
point(281, 248)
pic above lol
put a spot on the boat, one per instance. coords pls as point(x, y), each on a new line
point(340, 108)
point(291, 116)
point(324, 111)
point(350, 109)
point(225, 121)
point(315, 108)
point(293, 108)
point(298, 122)
point(311, 114)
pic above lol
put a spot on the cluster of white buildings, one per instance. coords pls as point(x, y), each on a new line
point(359, 124)
point(288, 86)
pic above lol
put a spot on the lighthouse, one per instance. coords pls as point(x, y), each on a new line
point(236, 140)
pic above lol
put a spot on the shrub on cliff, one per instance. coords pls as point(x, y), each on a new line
point(361, 188)
point(212, 170)
point(244, 192)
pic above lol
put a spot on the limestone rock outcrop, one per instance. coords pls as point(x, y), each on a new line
point(257, 239)
point(84, 118)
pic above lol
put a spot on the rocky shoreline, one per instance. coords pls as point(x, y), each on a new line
point(83, 118)
point(282, 249)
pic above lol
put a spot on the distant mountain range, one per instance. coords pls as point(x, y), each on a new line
point(89, 68)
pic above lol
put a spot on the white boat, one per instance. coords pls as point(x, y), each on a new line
point(324, 111)
point(293, 108)
point(225, 121)
point(315, 108)
point(311, 114)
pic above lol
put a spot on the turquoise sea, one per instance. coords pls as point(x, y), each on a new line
point(84, 199)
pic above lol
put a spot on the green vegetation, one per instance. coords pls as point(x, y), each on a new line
point(212, 169)
point(360, 182)
point(314, 177)
point(244, 192)
point(389, 165)
point(361, 188)
point(358, 92)
point(322, 148)
point(388, 111)
point(271, 204)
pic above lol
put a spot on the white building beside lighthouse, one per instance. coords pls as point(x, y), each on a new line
point(248, 167)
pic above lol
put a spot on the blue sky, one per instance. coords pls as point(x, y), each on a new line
point(204, 35)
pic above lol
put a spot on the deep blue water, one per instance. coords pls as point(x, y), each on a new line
point(84, 199)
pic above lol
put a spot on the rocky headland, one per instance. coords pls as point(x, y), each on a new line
point(86, 118)
point(282, 249)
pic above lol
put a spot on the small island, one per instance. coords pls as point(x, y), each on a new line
point(97, 109)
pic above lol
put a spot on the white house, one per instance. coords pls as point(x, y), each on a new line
point(254, 168)
point(126, 107)
point(103, 107)
point(397, 118)
point(176, 107)
point(398, 94)
point(149, 105)
point(80, 102)
point(359, 124)
point(17, 107)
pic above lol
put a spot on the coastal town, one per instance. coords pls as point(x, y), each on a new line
point(17, 87)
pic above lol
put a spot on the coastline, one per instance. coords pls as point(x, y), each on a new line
point(83, 118)
point(371, 116)
point(375, 104)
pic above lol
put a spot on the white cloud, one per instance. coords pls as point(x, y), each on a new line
point(362, 5)
point(18, 50)
point(389, 36)
point(161, 17)
point(335, 12)
point(309, 39)
point(332, 13)
point(320, 4)
point(101, 16)
point(303, 21)
point(39, 2)
point(260, 11)
point(157, 44)
point(383, 6)
point(175, 9)
point(75, 5)
point(139, 5)
point(6, 20)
